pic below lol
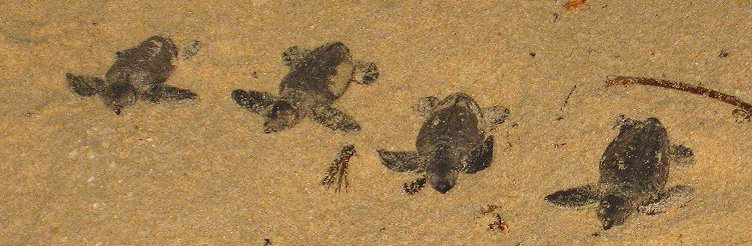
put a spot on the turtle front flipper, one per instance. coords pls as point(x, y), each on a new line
point(255, 101)
point(426, 105)
point(494, 116)
point(168, 92)
point(574, 197)
point(365, 72)
point(84, 85)
point(480, 158)
point(676, 196)
point(681, 156)
point(400, 161)
point(294, 55)
point(335, 119)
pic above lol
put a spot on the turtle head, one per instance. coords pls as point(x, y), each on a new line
point(119, 95)
point(442, 170)
point(280, 116)
point(613, 210)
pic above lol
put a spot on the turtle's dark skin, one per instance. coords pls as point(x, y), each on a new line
point(316, 79)
point(454, 138)
point(634, 171)
point(138, 73)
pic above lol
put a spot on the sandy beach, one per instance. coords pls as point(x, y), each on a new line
point(204, 172)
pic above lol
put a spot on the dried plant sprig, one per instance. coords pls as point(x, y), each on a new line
point(336, 174)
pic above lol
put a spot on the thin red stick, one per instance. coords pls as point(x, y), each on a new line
point(627, 80)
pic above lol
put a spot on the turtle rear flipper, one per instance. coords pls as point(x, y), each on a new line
point(255, 101)
point(681, 156)
point(574, 197)
point(676, 196)
point(167, 92)
point(365, 72)
point(494, 116)
point(335, 119)
point(426, 105)
point(189, 49)
point(480, 158)
point(84, 85)
point(400, 161)
point(294, 55)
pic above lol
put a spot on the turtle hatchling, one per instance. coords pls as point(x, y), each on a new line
point(316, 79)
point(633, 175)
point(138, 73)
point(454, 138)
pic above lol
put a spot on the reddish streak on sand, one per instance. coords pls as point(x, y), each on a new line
point(626, 80)
point(574, 4)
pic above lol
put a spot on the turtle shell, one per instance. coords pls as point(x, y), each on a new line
point(455, 122)
point(147, 64)
point(637, 160)
point(324, 73)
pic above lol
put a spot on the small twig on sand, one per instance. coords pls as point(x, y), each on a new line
point(743, 109)
point(565, 103)
point(566, 100)
point(337, 171)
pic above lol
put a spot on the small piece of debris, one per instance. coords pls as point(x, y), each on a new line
point(742, 116)
point(487, 209)
point(574, 4)
point(499, 225)
point(723, 54)
point(532, 54)
point(267, 242)
point(415, 186)
point(337, 171)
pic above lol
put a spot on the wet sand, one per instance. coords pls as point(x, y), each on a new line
point(205, 173)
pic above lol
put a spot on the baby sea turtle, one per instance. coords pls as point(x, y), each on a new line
point(316, 79)
point(633, 175)
point(455, 137)
point(138, 73)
